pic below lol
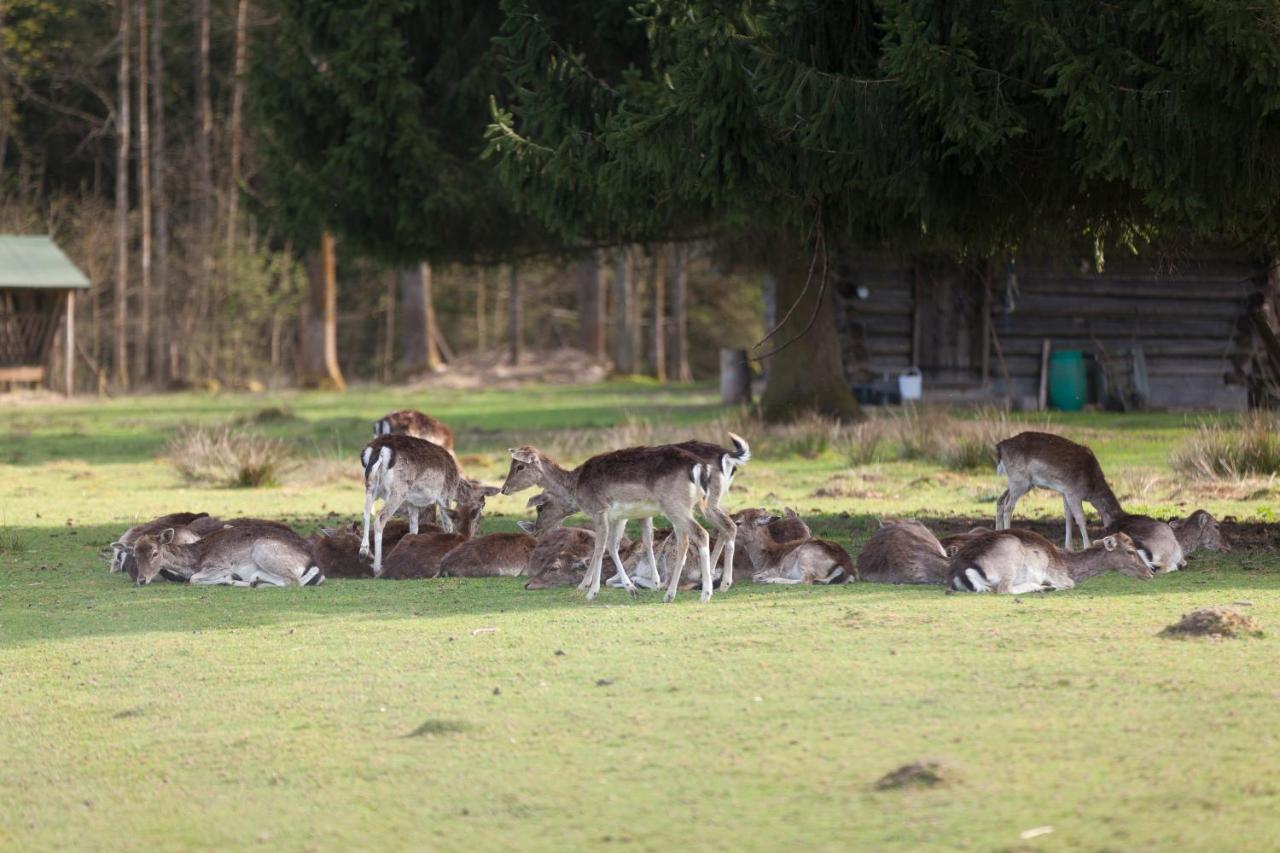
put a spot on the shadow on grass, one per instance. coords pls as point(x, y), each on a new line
point(59, 588)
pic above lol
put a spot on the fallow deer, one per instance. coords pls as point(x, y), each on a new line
point(403, 470)
point(121, 558)
point(492, 556)
point(634, 483)
point(561, 558)
point(805, 561)
point(1164, 545)
point(419, 555)
point(417, 424)
point(1032, 459)
point(232, 556)
point(952, 543)
point(903, 551)
point(1018, 561)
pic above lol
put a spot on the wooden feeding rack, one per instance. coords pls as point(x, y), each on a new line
point(38, 284)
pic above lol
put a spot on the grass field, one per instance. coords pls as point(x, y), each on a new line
point(475, 715)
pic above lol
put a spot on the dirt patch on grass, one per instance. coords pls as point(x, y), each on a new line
point(1216, 622)
point(918, 774)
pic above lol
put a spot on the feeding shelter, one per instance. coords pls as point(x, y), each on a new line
point(38, 284)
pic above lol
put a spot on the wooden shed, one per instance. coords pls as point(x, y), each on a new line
point(977, 332)
point(38, 284)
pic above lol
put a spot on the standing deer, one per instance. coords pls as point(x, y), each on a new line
point(232, 556)
point(403, 470)
point(1032, 459)
point(804, 561)
point(552, 508)
point(417, 424)
point(1017, 561)
point(625, 484)
point(903, 552)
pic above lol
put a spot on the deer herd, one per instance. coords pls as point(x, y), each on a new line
point(429, 518)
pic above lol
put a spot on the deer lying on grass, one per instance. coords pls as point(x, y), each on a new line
point(1018, 561)
point(498, 555)
point(554, 506)
point(952, 543)
point(419, 555)
point(562, 557)
point(232, 556)
point(903, 552)
point(1164, 545)
point(1032, 459)
point(803, 561)
point(403, 470)
point(625, 484)
point(416, 424)
point(122, 559)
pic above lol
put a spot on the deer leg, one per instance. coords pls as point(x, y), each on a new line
point(442, 516)
point(646, 537)
point(592, 577)
point(1066, 516)
point(1011, 498)
point(615, 535)
point(364, 534)
point(413, 519)
point(681, 535)
point(728, 532)
point(389, 507)
point(704, 558)
point(1077, 510)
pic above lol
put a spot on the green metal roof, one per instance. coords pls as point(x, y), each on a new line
point(37, 262)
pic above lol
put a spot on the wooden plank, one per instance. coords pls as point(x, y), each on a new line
point(1044, 374)
point(1154, 347)
point(1103, 306)
point(22, 373)
point(1129, 289)
point(1017, 326)
point(69, 344)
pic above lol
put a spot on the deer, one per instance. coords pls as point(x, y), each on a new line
point(231, 556)
point(952, 543)
point(553, 508)
point(1164, 545)
point(417, 424)
point(419, 555)
point(561, 558)
point(625, 484)
point(1017, 561)
point(818, 561)
point(403, 470)
point(903, 551)
point(1032, 459)
point(492, 556)
point(122, 559)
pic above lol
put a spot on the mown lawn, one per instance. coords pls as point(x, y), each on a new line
point(475, 715)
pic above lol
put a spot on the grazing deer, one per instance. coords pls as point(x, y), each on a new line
point(1164, 546)
point(625, 484)
point(403, 470)
point(554, 507)
point(903, 552)
point(498, 555)
point(232, 556)
point(416, 424)
point(1032, 459)
point(804, 561)
point(1017, 561)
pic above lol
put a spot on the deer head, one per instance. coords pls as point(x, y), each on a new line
point(549, 513)
point(1126, 560)
point(525, 471)
point(150, 551)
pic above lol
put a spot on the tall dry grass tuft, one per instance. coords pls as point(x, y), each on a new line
point(1232, 453)
point(959, 444)
point(224, 456)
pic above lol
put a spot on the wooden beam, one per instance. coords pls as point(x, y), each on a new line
point(22, 373)
point(69, 345)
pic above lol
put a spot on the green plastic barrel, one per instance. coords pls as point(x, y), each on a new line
point(1067, 385)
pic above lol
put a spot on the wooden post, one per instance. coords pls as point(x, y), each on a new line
point(1043, 399)
point(329, 269)
point(515, 317)
point(658, 343)
point(69, 345)
point(429, 334)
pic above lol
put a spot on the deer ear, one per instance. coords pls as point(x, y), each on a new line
point(524, 454)
point(489, 491)
point(526, 526)
point(166, 536)
point(790, 513)
point(537, 500)
point(1110, 543)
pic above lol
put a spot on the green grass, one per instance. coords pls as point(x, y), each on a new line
point(375, 714)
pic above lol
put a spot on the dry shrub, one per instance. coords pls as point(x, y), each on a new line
point(1138, 484)
point(864, 443)
point(959, 444)
point(1218, 452)
point(11, 541)
point(224, 456)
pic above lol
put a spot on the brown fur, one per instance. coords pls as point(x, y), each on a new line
point(903, 552)
point(495, 555)
point(789, 527)
point(1199, 530)
point(155, 552)
point(122, 560)
point(1032, 459)
point(560, 558)
point(953, 542)
point(992, 552)
point(801, 561)
point(417, 424)
point(419, 555)
point(338, 555)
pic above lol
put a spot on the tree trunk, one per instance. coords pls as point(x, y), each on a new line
point(319, 339)
point(389, 331)
point(808, 374)
point(623, 355)
point(204, 179)
point(658, 338)
point(161, 366)
point(144, 194)
point(482, 328)
point(680, 309)
point(119, 328)
point(237, 112)
point(591, 308)
point(515, 316)
point(429, 330)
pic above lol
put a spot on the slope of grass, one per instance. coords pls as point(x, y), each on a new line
point(474, 715)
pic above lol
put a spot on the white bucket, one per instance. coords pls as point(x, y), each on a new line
point(911, 384)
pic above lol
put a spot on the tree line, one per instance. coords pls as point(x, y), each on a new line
point(593, 147)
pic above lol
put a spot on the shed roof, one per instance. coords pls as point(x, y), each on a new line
point(37, 262)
